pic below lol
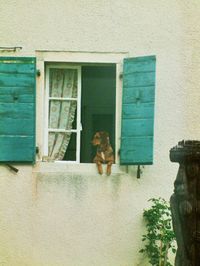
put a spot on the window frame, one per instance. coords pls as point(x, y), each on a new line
point(78, 100)
point(45, 57)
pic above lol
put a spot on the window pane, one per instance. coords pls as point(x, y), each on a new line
point(63, 83)
point(70, 154)
point(59, 143)
point(62, 114)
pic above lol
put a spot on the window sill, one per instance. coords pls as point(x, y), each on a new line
point(74, 167)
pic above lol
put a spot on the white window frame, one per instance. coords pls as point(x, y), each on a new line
point(78, 100)
point(45, 57)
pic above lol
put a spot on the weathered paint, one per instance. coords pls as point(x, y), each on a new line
point(138, 111)
point(17, 109)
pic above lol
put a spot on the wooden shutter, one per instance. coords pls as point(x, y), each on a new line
point(17, 109)
point(138, 111)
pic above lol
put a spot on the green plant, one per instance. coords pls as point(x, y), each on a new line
point(160, 237)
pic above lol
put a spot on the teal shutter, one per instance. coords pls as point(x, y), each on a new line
point(17, 109)
point(138, 111)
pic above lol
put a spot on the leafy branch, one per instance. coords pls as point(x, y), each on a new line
point(160, 237)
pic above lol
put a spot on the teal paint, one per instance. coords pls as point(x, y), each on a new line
point(132, 110)
point(137, 150)
point(137, 130)
point(18, 126)
point(24, 94)
point(17, 68)
point(17, 109)
point(17, 80)
point(147, 94)
point(17, 148)
point(137, 127)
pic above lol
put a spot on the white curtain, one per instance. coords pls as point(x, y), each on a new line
point(62, 83)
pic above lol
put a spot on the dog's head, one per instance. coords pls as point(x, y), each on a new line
point(101, 138)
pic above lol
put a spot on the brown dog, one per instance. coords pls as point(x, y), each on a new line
point(104, 151)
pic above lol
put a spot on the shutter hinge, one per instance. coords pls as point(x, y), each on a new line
point(138, 172)
point(37, 149)
point(38, 73)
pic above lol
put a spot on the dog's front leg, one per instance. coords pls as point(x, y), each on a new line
point(108, 171)
point(100, 168)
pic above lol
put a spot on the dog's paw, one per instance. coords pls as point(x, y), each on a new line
point(108, 172)
point(100, 172)
point(99, 167)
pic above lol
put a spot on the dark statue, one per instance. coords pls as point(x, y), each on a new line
point(185, 203)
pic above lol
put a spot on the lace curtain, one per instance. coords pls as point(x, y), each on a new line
point(62, 84)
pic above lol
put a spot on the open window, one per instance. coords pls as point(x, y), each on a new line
point(80, 100)
point(97, 106)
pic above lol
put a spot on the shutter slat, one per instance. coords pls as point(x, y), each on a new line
point(9, 98)
point(17, 90)
point(140, 79)
point(9, 79)
point(137, 127)
point(140, 64)
point(146, 94)
point(17, 109)
point(135, 152)
point(138, 111)
point(14, 126)
point(17, 149)
point(24, 94)
point(16, 68)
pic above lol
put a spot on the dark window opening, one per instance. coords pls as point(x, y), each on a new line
point(97, 106)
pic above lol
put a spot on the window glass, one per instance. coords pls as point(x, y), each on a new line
point(62, 113)
point(63, 83)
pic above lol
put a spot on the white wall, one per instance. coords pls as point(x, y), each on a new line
point(77, 217)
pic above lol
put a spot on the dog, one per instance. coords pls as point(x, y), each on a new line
point(104, 152)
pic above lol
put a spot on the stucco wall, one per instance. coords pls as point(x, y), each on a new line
point(79, 218)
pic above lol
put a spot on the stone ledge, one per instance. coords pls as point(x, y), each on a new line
point(42, 167)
